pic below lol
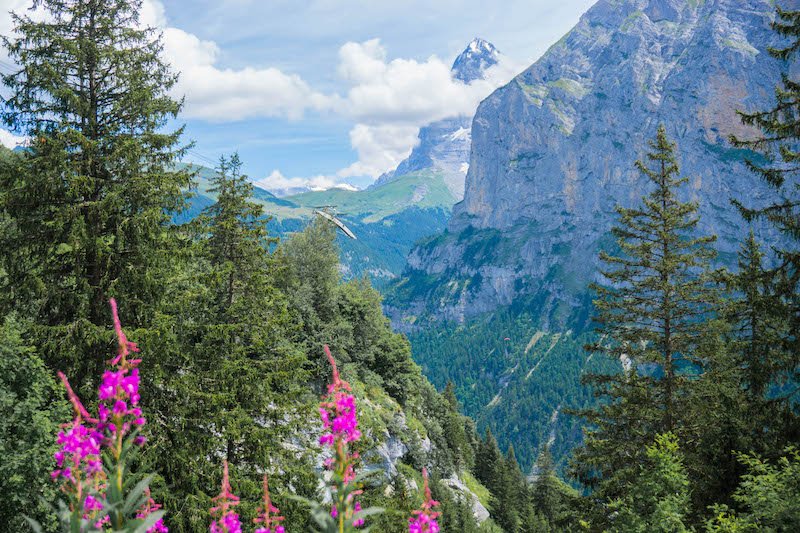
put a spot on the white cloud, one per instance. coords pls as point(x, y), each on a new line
point(387, 100)
point(403, 90)
point(281, 185)
point(152, 14)
point(9, 140)
point(219, 94)
point(225, 94)
point(380, 148)
point(391, 100)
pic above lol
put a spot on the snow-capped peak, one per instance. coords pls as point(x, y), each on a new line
point(471, 64)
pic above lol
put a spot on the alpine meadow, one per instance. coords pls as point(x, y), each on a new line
point(274, 267)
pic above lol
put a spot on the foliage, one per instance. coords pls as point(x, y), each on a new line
point(658, 499)
point(767, 495)
point(512, 377)
point(777, 293)
point(30, 417)
point(229, 331)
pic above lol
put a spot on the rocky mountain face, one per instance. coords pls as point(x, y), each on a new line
point(553, 152)
point(444, 145)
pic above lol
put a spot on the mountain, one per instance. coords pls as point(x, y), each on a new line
point(553, 153)
point(472, 63)
point(498, 303)
point(444, 145)
point(387, 220)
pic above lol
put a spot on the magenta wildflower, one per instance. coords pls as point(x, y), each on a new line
point(424, 519)
point(339, 419)
point(79, 467)
point(119, 391)
point(268, 514)
point(225, 520)
point(338, 414)
point(358, 522)
point(149, 507)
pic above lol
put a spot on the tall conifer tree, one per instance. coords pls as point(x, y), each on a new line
point(90, 200)
point(778, 166)
point(651, 317)
point(241, 389)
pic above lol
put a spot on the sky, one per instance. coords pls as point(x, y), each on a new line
point(324, 92)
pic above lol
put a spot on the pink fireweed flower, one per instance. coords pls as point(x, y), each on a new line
point(338, 413)
point(358, 522)
point(224, 519)
point(149, 507)
point(268, 514)
point(79, 467)
point(423, 520)
point(125, 346)
point(118, 392)
point(340, 429)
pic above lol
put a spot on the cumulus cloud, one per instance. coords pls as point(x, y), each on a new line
point(281, 185)
point(391, 100)
point(380, 148)
point(387, 100)
point(404, 90)
point(224, 94)
point(9, 140)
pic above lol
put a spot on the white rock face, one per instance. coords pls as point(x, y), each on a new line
point(462, 491)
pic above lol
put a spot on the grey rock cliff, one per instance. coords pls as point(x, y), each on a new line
point(553, 152)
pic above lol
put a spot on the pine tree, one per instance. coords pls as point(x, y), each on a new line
point(757, 328)
point(652, 316)
point(776, 164)
point(510, 493)
point(454, 429)
point(487, 460)
point(545, 493)
point(90, 199)
point(241, 389)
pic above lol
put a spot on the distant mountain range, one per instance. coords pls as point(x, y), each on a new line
point(387, 220)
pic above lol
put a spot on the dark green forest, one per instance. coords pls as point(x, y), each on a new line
point(683, 401)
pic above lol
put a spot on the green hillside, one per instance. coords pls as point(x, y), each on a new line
point(387, 220)
point(424, 190)
point(513, 378)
